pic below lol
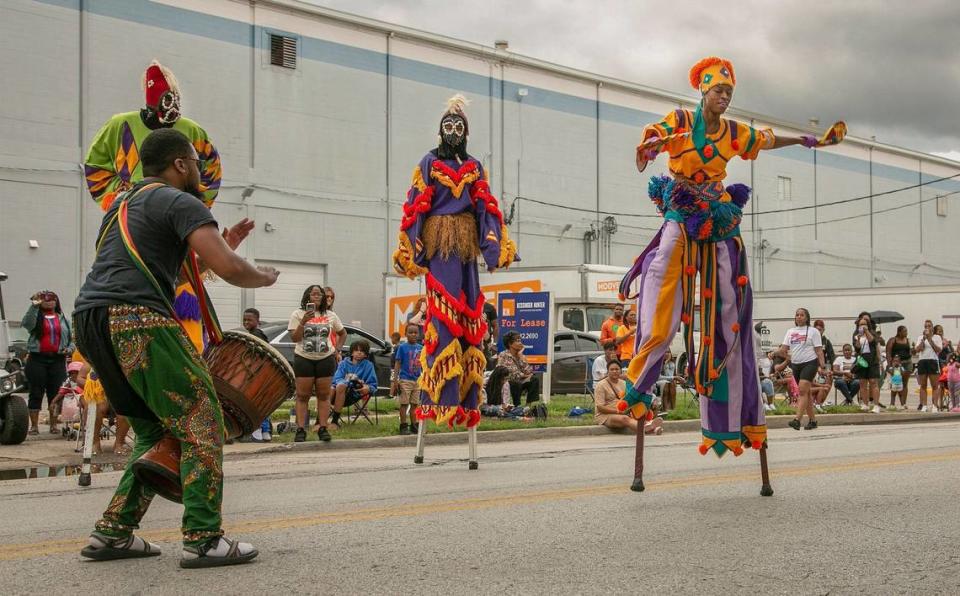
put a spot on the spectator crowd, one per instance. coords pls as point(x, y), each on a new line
point(806, 368)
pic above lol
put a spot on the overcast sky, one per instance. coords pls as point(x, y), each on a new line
point(890, 69)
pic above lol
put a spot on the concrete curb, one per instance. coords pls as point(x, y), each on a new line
point(532, 434)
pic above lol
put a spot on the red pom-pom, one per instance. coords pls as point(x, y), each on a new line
point(707, 293)
point(714, 375)
point(738, 451)
point(703, 448)
point(702, 205)
point(735, 144)
point(735, 327)
point(756, 445)
point(649, 415)
point(742, 280)
point(690, 270)
point(707, 341)
point(685, 319)
point(473, 418)
point(708, 151)
point(698, 177)
point(421, 415)
point(622, 405)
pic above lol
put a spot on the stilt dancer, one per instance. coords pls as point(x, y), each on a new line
point(701, 236)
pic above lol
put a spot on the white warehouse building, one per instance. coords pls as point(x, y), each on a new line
point(318, 145)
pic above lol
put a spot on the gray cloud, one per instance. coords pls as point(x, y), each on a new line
point(889, 69)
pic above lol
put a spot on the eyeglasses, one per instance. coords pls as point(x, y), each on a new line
point(453, 127)
point(199, 169)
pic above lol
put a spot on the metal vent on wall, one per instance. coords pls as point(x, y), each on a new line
point(283, 51)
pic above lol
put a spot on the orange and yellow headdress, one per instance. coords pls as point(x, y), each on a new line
point(710, 72)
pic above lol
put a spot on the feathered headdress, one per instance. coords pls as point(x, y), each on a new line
point(455, 106)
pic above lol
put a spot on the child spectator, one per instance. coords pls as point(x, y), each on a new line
point(895, 370)
point(355, 379)
point(251, 324)
point(66, 402)
point(953, 382)
point(406, 370)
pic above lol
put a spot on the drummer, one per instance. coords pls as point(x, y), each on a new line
point(150, 370)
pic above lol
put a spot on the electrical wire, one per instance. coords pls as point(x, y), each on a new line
point(773, 212)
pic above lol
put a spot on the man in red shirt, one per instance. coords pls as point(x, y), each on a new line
point(608, 332)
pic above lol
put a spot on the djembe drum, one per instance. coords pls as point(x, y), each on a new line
point(251, 378)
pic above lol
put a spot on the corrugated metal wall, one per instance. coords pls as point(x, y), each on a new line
point(329, 147)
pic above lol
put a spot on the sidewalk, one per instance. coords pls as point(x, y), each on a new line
point(50, 451)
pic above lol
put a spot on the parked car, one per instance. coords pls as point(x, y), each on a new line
point(380, 350)
point(571, 352)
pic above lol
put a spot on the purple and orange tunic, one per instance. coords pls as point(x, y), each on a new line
point(700, 237)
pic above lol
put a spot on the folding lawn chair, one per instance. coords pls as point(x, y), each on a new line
point(359, 408)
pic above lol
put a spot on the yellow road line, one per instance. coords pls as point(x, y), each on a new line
point(11, 552)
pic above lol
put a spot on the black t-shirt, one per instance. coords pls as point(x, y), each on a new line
point(159, 219)
point(259, 334)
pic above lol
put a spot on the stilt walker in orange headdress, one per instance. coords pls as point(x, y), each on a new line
point(701, 236)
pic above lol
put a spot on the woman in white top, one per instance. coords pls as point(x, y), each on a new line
point(927, 349)
point(806, 359)
point(319, 333)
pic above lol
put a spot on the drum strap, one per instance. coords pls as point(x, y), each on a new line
point(190, 268)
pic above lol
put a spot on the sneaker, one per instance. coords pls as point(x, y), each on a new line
point(933, 409)
point(876, 409)
point(864, 408)
point(921, 408)
point(301, 435)
point(217, 552)
point(323, 435)
point(795, 424)
point(404, 429)
point(811, 425)
point(818, 408)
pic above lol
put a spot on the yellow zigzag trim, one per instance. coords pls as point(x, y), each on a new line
point(418, 182)
point(446, 366)
point(456, 189)
point(508, 248)
point(474, 362)
point(403, 259)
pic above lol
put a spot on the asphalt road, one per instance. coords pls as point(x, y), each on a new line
point(857, 510)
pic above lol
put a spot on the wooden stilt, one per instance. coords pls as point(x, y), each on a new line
point(637, 485)
point(765, 489)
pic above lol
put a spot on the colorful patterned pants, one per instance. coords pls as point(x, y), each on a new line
point(732, 414)
point(452, 362)
point(152, 360)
